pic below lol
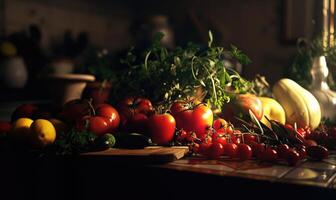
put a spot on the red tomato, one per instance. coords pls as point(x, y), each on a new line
point(302, 132)
point(203, 148)
point(230, 150)
point(96, 124)
point(244, 152)
point(309, 143)
point(197, 119)
point(269, 155)
point(302, 152)
point(282, 150)
point(161, 128)
point(214, 151)
point(293, 157)
point(249, 138)
point(220, 124)
point(5, 127)
point(75, 110)
point(107, 111)
point(222, 140)
point(24, 110)
point(257, 149)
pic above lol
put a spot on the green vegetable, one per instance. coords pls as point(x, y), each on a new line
point(105, 141)
point(72, 143)
point(184, 73)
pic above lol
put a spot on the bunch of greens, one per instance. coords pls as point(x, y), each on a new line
point(98, 62)
point(299, 71)
point(72, 143)
point(184, 73)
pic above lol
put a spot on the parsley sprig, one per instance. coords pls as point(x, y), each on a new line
point(165, 76)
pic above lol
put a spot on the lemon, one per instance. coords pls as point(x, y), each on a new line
point(60, 126)
point(8, 49)
point(43, 133)
point(21, 128)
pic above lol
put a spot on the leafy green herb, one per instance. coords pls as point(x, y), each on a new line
point(72, 143)
point(184, 73)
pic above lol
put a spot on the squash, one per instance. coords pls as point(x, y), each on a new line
point(300, 105)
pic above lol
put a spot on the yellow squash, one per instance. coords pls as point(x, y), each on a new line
point(300, 105)
point(272, 110)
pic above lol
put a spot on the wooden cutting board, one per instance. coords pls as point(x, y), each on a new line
point(149, 155)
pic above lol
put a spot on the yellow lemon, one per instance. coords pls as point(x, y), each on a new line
point(8, 49)
point(43, 132)
point(21, 128)
point(60, 126)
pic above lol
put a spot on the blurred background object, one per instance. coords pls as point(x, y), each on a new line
point(55, 36)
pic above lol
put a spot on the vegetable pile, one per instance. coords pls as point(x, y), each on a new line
point(183, 97)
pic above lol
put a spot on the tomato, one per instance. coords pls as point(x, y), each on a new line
point(257, 149)
point(282, 150)
point(244, 152)
point(203, 148)
point(309, 143)
point(182, 135)
point(96, 124)
point(134, 112)
point(161, 128)
point(75, 110)
point(302, 132)
point(317, 152)
point(302, 152)
point(214, 151)
point(198, 118)
point(5, 127)
point(24, 110)
point(293, 157)
point(222, 140)
point(220, 124)
point(230, 150)
point(269, 155)
point(249, 138)
point(107, 111)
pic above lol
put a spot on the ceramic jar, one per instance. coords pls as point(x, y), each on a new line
point(320, 88)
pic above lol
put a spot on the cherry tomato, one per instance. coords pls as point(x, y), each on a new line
point(214, 151)
point(203, 148)
point(309, 143)
point(302, 152)
point(269, 155)
point(182, 135)
point(317, 152)
point(198, 118)
point(257, 149)
point(229, 130)
point(222, 140)
point(302, 132)
point(249, 138)
point(282, 150)
point(161, 128)
point(220, 124)
point(244, 152)
point(230, 150)
point(293, 157)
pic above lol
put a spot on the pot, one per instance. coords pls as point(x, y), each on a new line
point(66, 87)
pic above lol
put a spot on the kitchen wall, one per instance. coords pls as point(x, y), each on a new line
point(255, 26)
